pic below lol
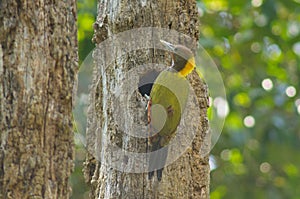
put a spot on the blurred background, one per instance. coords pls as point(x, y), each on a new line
point(256, 46)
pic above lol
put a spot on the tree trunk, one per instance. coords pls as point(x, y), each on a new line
point(38, 61)
point(188, 176)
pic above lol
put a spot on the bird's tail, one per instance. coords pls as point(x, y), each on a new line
point(157, 159)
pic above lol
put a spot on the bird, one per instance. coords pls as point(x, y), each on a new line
point(166, 105)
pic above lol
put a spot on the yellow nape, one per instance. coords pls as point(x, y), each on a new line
point(189, 67)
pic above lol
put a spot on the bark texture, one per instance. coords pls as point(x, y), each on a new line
point(188, 177)
point(38, 62)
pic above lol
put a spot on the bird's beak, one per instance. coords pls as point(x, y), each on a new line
point(170, 46)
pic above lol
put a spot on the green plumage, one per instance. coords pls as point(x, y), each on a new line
point(170, 90)
point(168, 95)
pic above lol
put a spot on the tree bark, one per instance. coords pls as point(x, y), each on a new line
point(38, 62)
point(187, 177)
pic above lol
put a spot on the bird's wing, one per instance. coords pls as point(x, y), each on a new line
point(168, 95)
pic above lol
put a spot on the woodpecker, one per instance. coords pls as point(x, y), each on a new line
point(166, 104)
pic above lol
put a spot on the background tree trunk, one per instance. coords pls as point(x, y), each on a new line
point(38, 61)
point(188, 177)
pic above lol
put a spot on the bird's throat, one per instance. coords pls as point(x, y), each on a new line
point(188, 68)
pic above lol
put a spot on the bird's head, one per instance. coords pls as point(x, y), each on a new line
point(183, 58)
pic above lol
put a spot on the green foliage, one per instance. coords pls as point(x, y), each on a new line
point(256, 47)
point(86, 11)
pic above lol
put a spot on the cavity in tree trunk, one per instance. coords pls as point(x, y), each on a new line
point(38, 62)
point(188, 176)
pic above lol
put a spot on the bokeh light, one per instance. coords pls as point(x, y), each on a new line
point(290, 91)
point(296, 48)
point(267, 84)
point(249, 121)
point(222, 107)
point(297, 102)
point(293, 28)
point(212, 162)
point(265, 167)
point(225, 154)
point(256, 3)
point(255, 47)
